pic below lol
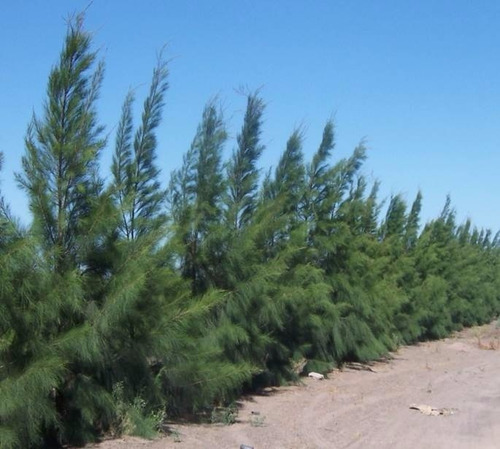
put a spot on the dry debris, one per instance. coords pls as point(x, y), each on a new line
point(431, 411)
point(316, 376)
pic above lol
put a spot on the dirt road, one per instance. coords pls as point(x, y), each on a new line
point(370, 409)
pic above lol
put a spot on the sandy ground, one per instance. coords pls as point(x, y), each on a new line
point(370, 409)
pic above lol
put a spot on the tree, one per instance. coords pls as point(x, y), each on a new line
point(62, 149)
point(196, 193)
point(372, 211)
point(289, 175)
point(413, 222)
point(242, 172)
point(395, 218)
point(108, 318)
point(318, 189)
point(136, 188)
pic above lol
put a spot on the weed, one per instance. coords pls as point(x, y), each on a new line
point(132, 418)
point(224, 415)
point(493, 344)
point(176, 436)
point(257, 421)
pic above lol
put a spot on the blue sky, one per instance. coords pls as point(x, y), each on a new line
point(419, 81)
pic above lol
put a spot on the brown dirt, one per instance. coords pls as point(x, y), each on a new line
point(366, 409)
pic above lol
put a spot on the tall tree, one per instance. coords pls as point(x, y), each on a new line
point(136, 188)
point(290, 172)
point(208, 144)
point(372, 211)
point(317, 186)
point(395, 218)
point(196, 193)
point(413, 222)
point(62, 148)
point(242, 170)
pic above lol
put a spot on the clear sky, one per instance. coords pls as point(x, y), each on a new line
point(419, 80)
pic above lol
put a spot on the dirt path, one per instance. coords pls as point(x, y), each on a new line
point(365, 409)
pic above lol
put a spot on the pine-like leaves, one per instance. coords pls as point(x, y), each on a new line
point(196, 194)
point(62, 148)
point(136, 189)
point(109, 317)
point(242, 170)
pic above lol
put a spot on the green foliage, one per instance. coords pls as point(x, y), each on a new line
point(395, 220)
point(258, 421)
point(136, 188)
point(112, 316)
point(60, 165)
point(224, 415)
point(196, 198)
point(289, 175)
point(318, 188)
point(413, 222)
point(132, 418)
point(242, 170)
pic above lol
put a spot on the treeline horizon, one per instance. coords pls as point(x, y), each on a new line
point(126, 302)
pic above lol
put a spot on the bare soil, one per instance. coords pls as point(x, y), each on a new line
point(369, 408)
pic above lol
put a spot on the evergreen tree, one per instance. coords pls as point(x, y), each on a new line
point(136, 186)
point(60, 175)
point(196, 193)
point(108, 318)
point(395, 219)
point(242, 170)
point(290, 172)
point(318, 188)
point(62, 149)
point(463, 232)
point(413, 222)
point(372, 211)
point(208, 144)
point(285, 191)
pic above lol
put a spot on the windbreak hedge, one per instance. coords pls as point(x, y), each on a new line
point(125, 301)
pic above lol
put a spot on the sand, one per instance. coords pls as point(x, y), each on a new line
point(360, 408)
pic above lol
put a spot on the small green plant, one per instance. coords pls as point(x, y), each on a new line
point(176, 436)
point(257, 421)
point(132, 418)
point(224, 415)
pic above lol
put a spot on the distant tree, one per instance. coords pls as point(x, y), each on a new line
point(372, 211)
point(413, 222)
point(395, 219)
point(463, 232)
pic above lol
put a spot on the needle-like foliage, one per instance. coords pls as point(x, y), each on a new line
point(136, 188)
point(112, 316)
point(242, 170)
point(62, 148)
